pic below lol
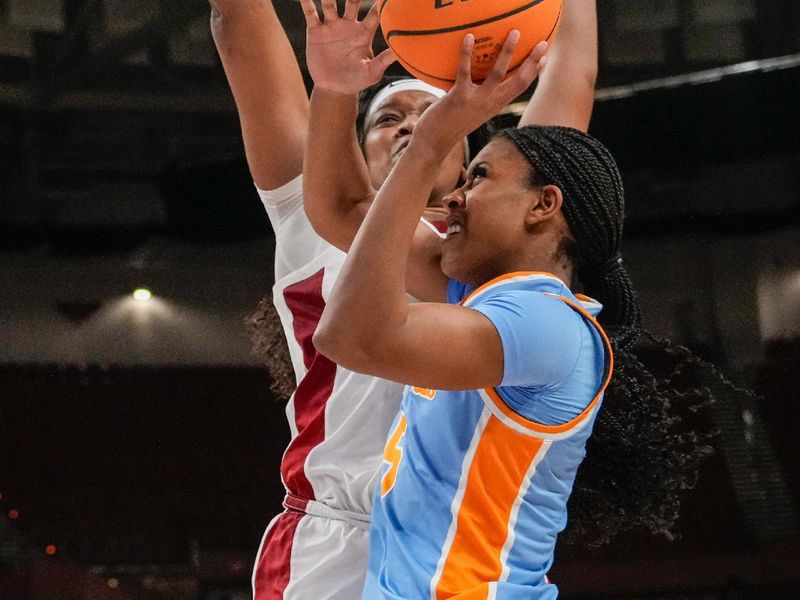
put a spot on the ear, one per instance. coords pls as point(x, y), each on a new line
point(545, 206)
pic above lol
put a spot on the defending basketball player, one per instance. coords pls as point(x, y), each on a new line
point(339, 420)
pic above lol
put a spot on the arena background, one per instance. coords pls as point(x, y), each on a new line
point(139, 442)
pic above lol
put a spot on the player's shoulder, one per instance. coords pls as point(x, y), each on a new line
point(286, 192)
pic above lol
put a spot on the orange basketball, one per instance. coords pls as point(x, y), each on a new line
point(426, 35)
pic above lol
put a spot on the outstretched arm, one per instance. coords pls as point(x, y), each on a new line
point(565, 92)
point(368, 324)
point(267, 86)
point(341, 62)
point(337, 186)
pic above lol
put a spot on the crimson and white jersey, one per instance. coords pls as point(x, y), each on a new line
point(339, 419)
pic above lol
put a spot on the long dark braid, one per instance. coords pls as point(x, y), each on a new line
point(641, 454)
point(585, 172)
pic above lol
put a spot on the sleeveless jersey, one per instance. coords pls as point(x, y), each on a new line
point(474, 485)
point(338, 419)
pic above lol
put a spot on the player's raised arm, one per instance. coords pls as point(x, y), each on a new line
point(565, 92)
point(267, 86)
point(337, 184)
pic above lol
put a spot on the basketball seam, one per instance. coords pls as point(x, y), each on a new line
point(412, 68)
point(413, 32)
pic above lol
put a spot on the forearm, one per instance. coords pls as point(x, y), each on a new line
point(267, 87)
point(565, 92)
point(368, 307)
point(335, 179)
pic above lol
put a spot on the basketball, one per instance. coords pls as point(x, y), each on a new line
point(426, 35)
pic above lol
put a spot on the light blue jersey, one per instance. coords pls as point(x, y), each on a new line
point(474, 486)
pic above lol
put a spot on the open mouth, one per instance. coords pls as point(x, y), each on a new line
point(454, 226)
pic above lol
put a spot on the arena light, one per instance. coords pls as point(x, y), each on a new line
point(142, 295)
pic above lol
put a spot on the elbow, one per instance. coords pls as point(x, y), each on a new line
point(329, 223)
point(331, 342)
point(221, 11)
point(218, 6)
point(342, 348)
point(325, 342)
point(217, 16)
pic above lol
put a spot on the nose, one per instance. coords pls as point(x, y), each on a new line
point(408, 124)
point(454, 200)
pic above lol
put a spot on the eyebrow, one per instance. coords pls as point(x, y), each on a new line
point(388, 105)
point(472, 168)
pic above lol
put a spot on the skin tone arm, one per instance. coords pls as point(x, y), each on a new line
point(267, 86)
point(337, 185)
point(368, 325)
point(565, 92)
point(341, 62)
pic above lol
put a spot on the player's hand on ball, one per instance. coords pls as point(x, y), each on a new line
point(469, 104)
point(339, 48)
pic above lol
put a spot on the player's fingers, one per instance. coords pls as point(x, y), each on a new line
point(539, 52)
point(533, 64)
point(380, 63)
point(464, 74)
point(310, 11)
point(351, 10)
point(372, 18)
point(528, 71)
point(503, 61)
point(330, 12)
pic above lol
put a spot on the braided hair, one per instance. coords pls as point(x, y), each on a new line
point(585, 172)
point(641, 453)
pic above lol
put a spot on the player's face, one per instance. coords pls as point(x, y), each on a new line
point(388, 132)
point(487, 222)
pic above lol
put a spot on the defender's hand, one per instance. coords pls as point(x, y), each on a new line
point(339, 48)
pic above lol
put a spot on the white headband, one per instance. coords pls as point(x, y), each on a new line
point(404, 85)
point(407, 85)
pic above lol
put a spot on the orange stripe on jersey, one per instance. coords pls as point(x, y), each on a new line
point(493, 486)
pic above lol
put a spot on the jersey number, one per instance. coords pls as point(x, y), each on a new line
point(393, 455)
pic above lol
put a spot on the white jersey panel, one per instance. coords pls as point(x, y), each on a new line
point(343, 469)
point(339, 419)
point(297, 244)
